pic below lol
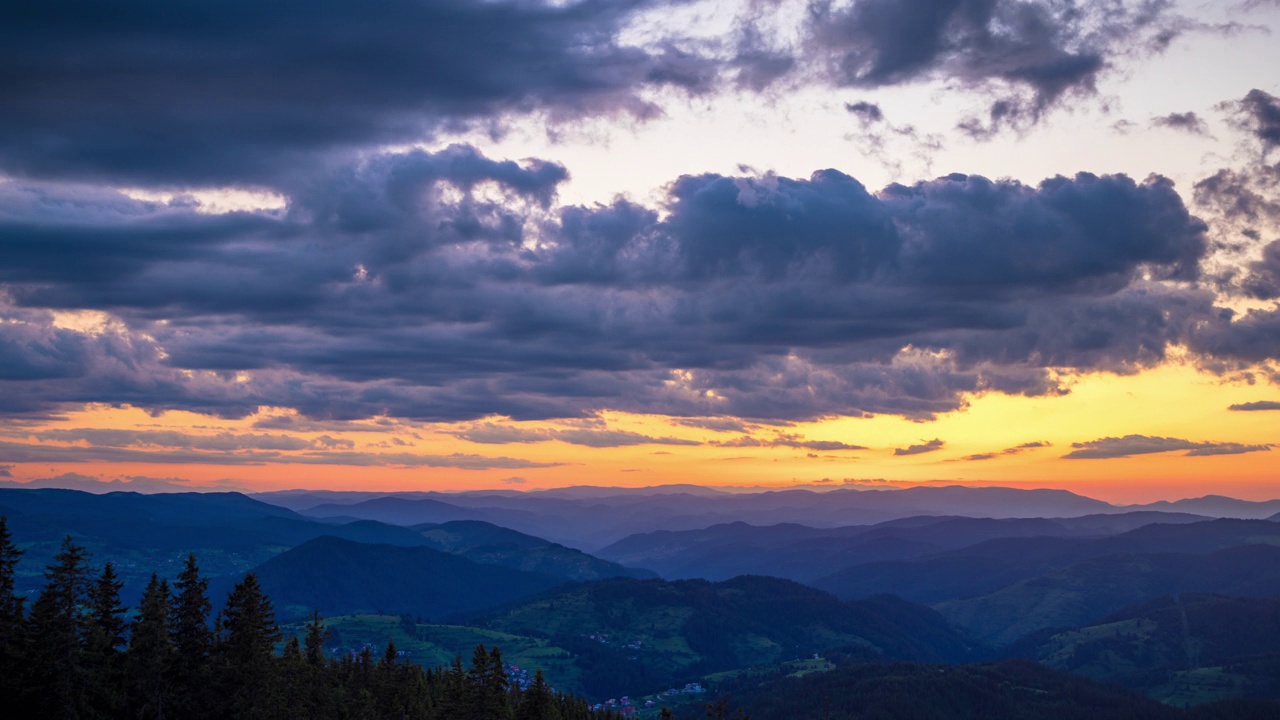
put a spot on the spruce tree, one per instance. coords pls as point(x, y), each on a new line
point(103, 642)
point(500, 690)
point(192, 641)
point(489, 685)
point(538, 702)
point(106, 614)
point(150, 657)
point(249, 631)
point(11, 630)
point(455, 698)
point(246, 652)
point(189, 614)
point(56, 631)
point(316, 637)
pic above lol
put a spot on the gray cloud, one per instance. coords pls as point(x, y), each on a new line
point(1185, 121)
point(1130, 445)
point(1015, 450)
point(5, 471)
point(716, 424)
point(930, 446)
point(1028, 55)
point(888, 143)
point(1260, 405)
point(496, 434)
point(1257, 114)
point(1228, 448)
point(93, 484)
point(45, 453)
point(788, 440)
point(868, 113)
point(224, 441)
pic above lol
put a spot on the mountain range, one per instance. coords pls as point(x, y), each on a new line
point(719, 587)
point(592, 518)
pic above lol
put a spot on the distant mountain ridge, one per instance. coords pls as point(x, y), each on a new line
point(806, 554)
point(597, 519)
point(988, 566)
point(590, 518)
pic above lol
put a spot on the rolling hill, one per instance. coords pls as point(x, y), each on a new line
point(1183, 649)
point(1010, 690)
point(489, 544)
point(341, 577)
point(1084, 592)
point(648, 634)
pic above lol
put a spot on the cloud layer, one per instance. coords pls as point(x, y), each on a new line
point(450, 286)
point(156, 93)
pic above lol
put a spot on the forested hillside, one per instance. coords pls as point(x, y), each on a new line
point(77, 653)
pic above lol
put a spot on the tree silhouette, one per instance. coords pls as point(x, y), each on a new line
point(12, 636)
point(55, 633)
point(151, 654)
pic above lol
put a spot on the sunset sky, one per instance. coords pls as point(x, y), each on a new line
point(469, 244)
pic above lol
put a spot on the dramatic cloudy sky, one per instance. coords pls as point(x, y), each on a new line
point(461, 244)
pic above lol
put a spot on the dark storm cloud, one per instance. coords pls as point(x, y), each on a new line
point(1130, 445)
point(242, 91)
point(1257, 406)
point(928, 447)
point(448, 286)
point(1029, 54)
point(1185, 121)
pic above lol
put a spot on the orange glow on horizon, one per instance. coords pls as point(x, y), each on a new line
point(1172, 401)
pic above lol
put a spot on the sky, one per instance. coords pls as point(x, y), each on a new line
point(520, 244)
